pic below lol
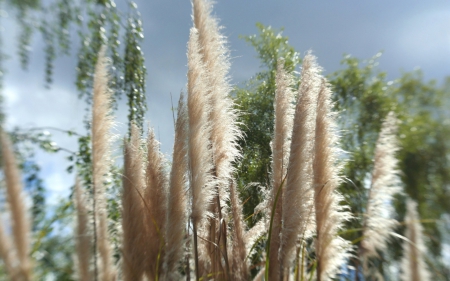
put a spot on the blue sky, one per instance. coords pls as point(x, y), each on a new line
point(411, 34)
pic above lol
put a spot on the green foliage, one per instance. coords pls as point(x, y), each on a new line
point(255, 100)
point(97, 23)
point(424, 155)
point(362, 98)
point(135, 72)
point(54, 244)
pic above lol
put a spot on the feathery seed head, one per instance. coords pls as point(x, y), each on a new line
point(385, 184)
point(413, 264)
point(331, 250)
point(199, 155)
point(284, 115)
point(83, 236)
point(297, 200)
point(133, 224)
point(177, 207)
point(21, 224)
point(101, 146)
point(156, 202)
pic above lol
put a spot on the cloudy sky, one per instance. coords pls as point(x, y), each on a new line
point(410, 33)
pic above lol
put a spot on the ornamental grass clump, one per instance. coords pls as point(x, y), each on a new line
point(184, 220)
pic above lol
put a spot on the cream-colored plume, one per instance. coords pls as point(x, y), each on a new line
point(199, 155)
point(414, 267)
point(101, 146)
point(177, 211)
point(239, 266)
point(133, 209)
point(83, 236)
point(222, 116)
point(201, 182)
point(7, 254)
point(156, 202)
point(284, 115)
point(331, 250)
point(21, 225)
point(298, 213)
point(224, 129)
point(378, 223)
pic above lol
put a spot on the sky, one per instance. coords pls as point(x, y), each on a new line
point(411, 34)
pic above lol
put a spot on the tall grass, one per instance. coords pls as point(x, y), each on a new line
point(378, 219)
point(414, 267)
point(331, 250)
point(83, 234)
point(101, 146)
point(17, 254)
point(196, 200)
point(284, 116)
point(297, 199)
point(178, 199)
point(133, 208)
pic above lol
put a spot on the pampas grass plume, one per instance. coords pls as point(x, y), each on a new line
point(224, 129)
point(199, 130)
point(384, 185)
point(284, 115)
point(156, 202)
point(177, 211)
point(331, 250)
point(413, 262)
point(21, 225)
point(240, 271)
point(101, 145)
point(133, 208)
point(83, 237)
point(200, 165)
point(7, 253)
point(297, 200)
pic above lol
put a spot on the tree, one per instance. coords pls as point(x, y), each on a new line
point(255, 100)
